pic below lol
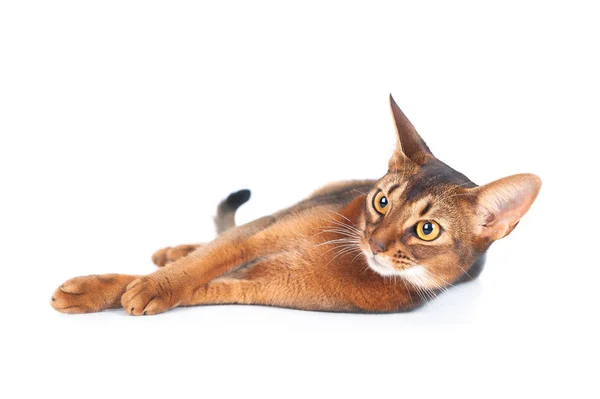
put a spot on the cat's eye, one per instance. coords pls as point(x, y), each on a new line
point(428, 230)
point(380, 203)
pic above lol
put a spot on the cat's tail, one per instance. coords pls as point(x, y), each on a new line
point(225, 217)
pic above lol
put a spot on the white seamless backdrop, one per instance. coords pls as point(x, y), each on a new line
point(123, 123)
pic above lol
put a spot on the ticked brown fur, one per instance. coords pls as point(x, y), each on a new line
point(332, 251)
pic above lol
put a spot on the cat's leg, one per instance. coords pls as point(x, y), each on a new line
point(93, 293)
point(226, 290)
point(224, 221)
point(290, 279)
point(168, 255)
point(271, 281)
point(285, 287)
point(270, 290)
point(173, 286)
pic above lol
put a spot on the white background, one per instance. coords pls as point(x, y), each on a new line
point(124, 123)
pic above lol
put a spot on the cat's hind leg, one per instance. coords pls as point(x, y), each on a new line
point(224, 220)
point(164, 256)
point(87, 294)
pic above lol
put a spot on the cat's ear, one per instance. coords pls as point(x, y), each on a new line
point(410, 144)
point(501, 204)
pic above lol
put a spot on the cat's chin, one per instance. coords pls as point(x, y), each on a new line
point(381, 267)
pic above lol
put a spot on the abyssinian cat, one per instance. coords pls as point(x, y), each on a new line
point(361, 246)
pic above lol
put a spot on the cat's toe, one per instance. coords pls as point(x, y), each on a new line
point(88, 294)
point(164, 256)
point(145, 296)
point(77, 295)
point(159, 258)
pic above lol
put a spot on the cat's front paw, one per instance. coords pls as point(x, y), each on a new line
point(148, 295)
point(88, 294)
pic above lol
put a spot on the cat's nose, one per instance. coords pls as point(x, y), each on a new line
point(376, 246)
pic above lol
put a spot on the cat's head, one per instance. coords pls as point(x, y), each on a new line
point(427, 223)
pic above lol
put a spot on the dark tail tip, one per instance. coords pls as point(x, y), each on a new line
point(237, 199)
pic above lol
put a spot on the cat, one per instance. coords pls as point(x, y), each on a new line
point(386, 245)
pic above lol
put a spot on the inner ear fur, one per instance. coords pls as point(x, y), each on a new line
point(502, 203)
point(410, 144)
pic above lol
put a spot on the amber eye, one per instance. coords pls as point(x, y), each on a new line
point(380, 203)
point(428, 230)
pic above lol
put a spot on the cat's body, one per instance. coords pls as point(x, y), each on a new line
point(374, 246)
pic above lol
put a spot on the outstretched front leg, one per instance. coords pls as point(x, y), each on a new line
point(289, 279)
point(94, 293)
point(89, 294)
point(176, 284)
point(278, 281)
point(281, 280)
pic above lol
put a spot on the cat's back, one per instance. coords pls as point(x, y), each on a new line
point(307, 215)
point(338, 194)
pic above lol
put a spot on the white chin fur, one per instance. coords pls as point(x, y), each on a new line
point(382, 268)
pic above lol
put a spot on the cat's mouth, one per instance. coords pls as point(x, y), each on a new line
point(384, 268)
point(380, 266)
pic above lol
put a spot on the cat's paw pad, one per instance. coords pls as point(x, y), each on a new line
point(148, 296)
point(167, 255)
point(81, 295)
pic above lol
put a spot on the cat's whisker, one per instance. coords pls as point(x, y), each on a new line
point(420, 283)
point(342, 232)
point(341, 253)
point(407, 290)
point(338, 214)
point(338, 241)
point(338, 245)
point(428, 293)
point(348, 244)
point(430, 283)
point(433, 276)
point(346, 226)
point(421, 295)
point(342, 227)
point(338, 237)
point(465, 271)
point(434, 288)
point(344, 251)
point(357, 255)
point(346, 233)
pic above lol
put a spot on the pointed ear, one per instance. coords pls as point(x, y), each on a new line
point(501, 204)
point(410, 144)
